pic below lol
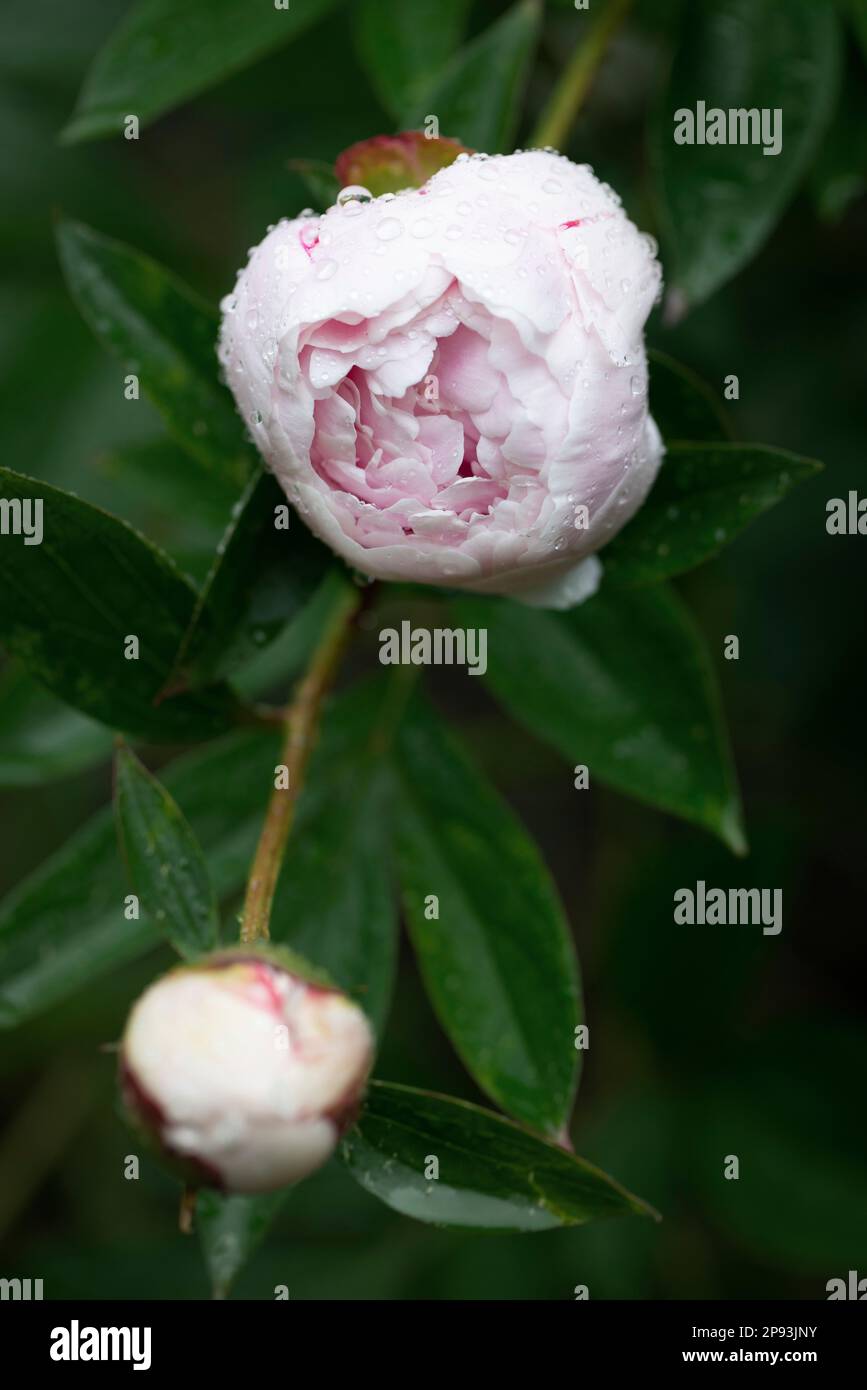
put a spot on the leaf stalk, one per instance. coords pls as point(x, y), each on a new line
point(300, 727)
point(568, 95)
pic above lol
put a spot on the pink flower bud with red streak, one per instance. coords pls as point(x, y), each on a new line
point(244, 1073)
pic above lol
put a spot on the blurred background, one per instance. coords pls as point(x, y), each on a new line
point(706, 1042)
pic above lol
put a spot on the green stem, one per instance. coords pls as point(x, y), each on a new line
point(301, 723)
point(559, 114)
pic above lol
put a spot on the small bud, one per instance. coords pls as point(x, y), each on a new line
point(202, 1075)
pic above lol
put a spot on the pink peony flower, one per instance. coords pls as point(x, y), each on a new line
point(450, 383)
point(243, 1073)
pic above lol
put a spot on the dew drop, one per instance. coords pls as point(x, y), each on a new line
point(354, 193)
point(325, 270)
point(388, 229)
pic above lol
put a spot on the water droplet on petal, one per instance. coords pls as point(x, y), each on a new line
point(388, 229)
point(354, 193)
point(325, 270)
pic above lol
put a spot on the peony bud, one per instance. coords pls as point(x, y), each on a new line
point(451, 383)
point(243, 1072)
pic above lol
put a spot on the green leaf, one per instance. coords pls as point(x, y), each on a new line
point(703, 498)
point(69, 604)
point(289, 653)
point(165, 335)
point(166, 51)
point(261, 579)
point(179, 503)
point(493, 1175)
point(42, 739)
point(165, 862)
point(683, 406)
point(160, 477)
point(622, 684)
point(497, 958)
point(334, 903)
point(719, 202)
point(477, 95)
point(402, 46)
point(230, 1229)
point(64, 926)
